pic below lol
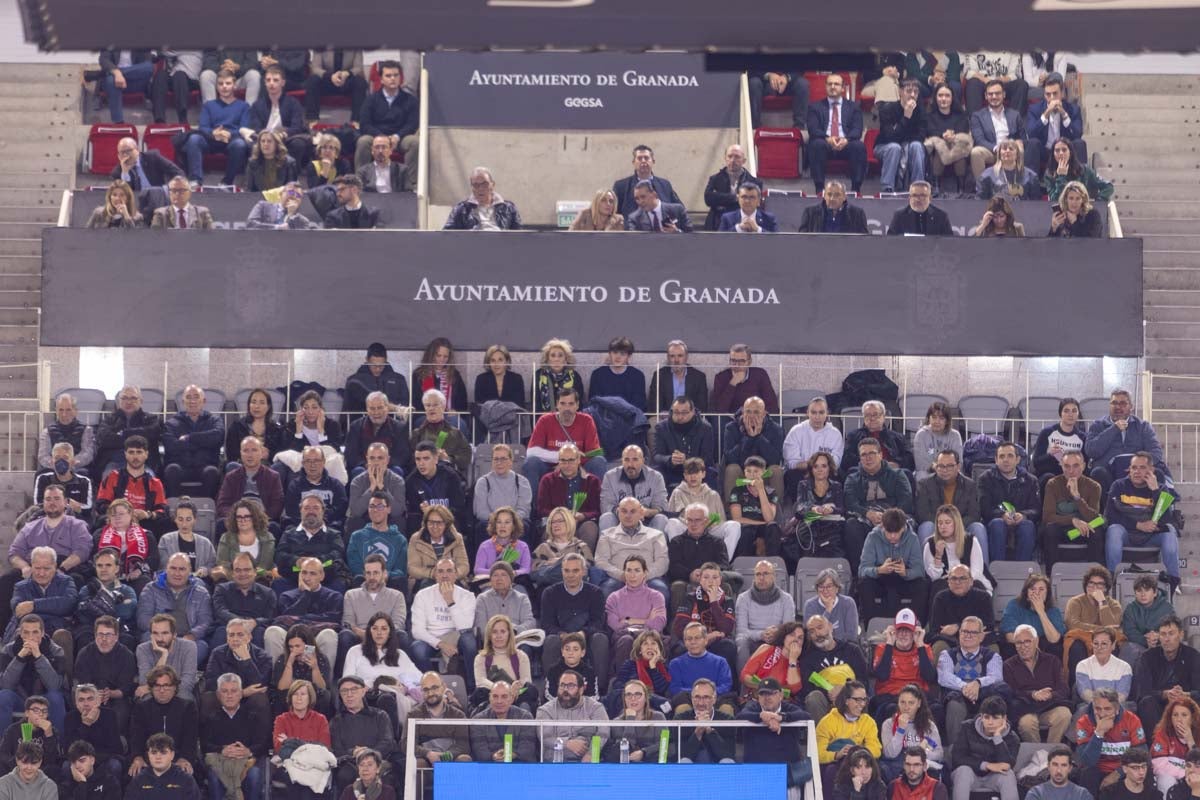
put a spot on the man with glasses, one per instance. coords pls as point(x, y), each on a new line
point(142, 171)
point(249, 478)
point(165, 649)
point(110, 667)
point(961, 599)
point(437, 742)
point(684, 436)
point(701, 744)
point(1071, 501)
point(835, 130)
point(1119, 433)
point(181, 215)
point(358, 727)
point(571, 706)
point(968, 674)
point(1104, 733)
point(915, 783)
point(893, 446)
point(502, 486)
point(560, 487)
point(732, 387)
point(947, 480)
point(753, 433)
point(1135, 783)
point(165, 712)
point(771, 743)
point(871, 490)
point(1129, 511)
point(1040, 696)
point(127, 419)
point(243, 598)
point(920, 217)
point(313, 481)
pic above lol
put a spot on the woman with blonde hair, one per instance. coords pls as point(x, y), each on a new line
point(601, 216)
point(499, 381)
point(1073, 215)
point(1010, 177)
point(951, 545)
point(329, 162)
point(119, 209)
point(499, 659)
point(557, 372)
point(561, 540)
point(270, 165)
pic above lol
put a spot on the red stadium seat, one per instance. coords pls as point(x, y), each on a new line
point(778, 152)
point(869, 138)
point(160, 136)
point(100, 156)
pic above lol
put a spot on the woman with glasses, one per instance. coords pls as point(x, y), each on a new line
point(246, 531)
point(642, 741)
point(850, 726)
point(1091, 610)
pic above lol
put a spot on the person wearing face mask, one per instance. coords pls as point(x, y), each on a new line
point(283, 215)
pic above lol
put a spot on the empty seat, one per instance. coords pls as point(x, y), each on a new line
point(851, 417)
point(89, 403)
point(1066, 578)
point(1093, 408)
point(1010, 580)
point(214, 400)
point(1037, 412)
point(873, 635)
point(100, 155)
point(795, 401)
point(914, 407)
point(983, 413)
point(161, 137)
point(153, 401)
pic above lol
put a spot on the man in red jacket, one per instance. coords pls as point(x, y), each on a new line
point(902, 659)
point(568, 425)
point(914, 784)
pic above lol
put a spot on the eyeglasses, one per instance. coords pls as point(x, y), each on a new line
point(106, 635)
point(629, 694)
point(246, 517)
point(168, 685)
point(959, 578)
point(965, 632)
point(178, 190)
point(857, 698)
point(377, 506)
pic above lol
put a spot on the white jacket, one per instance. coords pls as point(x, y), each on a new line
point(311, 765)
point(802, 442)
point(432, 618)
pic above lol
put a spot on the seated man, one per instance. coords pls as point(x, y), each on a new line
point(814, 435)
point(701, 542)
point(734, 387)
point(677, 379)
point(754, 506)
point(1132, 521)
point(48, 594)
point(969, 674)
point(37, 718)
point(653, 215)
point(381, 174)
point(700, 744)
point(82, 780)
point(433, 483)
point(893, 446)
point(165, 712)
point(992, 125)
point(778, 84)
point(1049, 120)
point(760, 611)
point(375, 595)
point(129, 71)
point(749, 216)
point(632, 537)
point(278, 111)
point(870, 489)
point(76, 486)
point(164, 777)
point(127, 420)
point(133, 482)
point(66, 427)
point(571, 705)
point(251, 479)
point(392, 113)
point(1103, 735)
point(920, 216)
point(752, 432)
point(242, 598)
point(891, 572)
point(901, 134)
point(574, 606)
point(311, 604)
point(695, 492)
point(242, 64)
point(835, 130)
point(616, 378)
point(91, 722)
point(357, 727)
point(633, 479)
point(1119, 434)
point(165, 649)
point(220, 131)
point(1004, 486)
point(27, 779)
point(568, 425)
point(772, 743)
point(502, 487)
point(68, 541)
point(143, 171)
point(380, 536)
point(720, 194)
point(1059, 784)
point(235, 739)
point(374, 375)
point(176, 591)
point(32, 664)
point(834, 662)
point(315, 481)
point(243, 659)
point(947, 480)
point(350, 212)
point(643, 170)
point(181, 214)
point(488, 741)
point(443, 624)
point(378, 426)
point(1039, 692)
point(1071, 501)
point(961, 599)
point(335, 71)
point(437, 742)
point(697, 663)
point(192, 440)
point(563, 485)
point(985, 750)
point(633, 608)
point(685, 435)
point(1166, 672)
point(111, 668)
point(833, 214)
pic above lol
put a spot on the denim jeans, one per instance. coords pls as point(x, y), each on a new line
point(1117, 537)
point(1024, 537)
point(425, 655)
point(252, 784)
point(137, 79)
point(889, 174)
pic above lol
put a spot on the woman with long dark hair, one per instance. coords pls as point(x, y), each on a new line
point(1063, 167)
point(858, 778)
point(912, 724)
point(438, 371)
point(393, 680)
point(1035, 607)
point(259, 421)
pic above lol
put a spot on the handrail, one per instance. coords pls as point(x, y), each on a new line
point(64, 209)
point(746, 128)
point(423, 152)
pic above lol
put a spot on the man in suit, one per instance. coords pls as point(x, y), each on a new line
point(350, 212)
point(643, 170)
point(130, 71)
point(920, 216)
point(181, 214)
point(335, 72)
point(392, 113)
point(750, 218)
point(677, 379)
point(992, 125)
point(382, 174)
point(720, 195)
point(835, 130)
point(140, 170)
point(654, 216)
point(833, 214)
point(1049, 120)
point(291, 114)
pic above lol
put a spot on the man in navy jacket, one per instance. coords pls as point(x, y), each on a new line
point(1049, 120)
point(750, 218)
point(845, 141)
point(643, 170)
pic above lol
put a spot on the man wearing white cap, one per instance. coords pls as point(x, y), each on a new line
point(901, 659)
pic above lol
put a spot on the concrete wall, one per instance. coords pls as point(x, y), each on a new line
point(534, 169)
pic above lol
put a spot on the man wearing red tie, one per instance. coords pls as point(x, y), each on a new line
point(835, 130)
point(181, 214)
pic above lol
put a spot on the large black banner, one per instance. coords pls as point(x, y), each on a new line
point(784, 293)
point(579, 91)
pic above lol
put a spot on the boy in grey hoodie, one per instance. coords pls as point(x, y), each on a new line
point(27, 781)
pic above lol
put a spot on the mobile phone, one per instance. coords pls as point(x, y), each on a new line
point(309, 650)
point(1056, 209)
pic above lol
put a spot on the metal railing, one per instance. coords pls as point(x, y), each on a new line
point(414, 777)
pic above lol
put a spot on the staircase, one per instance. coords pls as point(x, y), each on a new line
point(39, 120)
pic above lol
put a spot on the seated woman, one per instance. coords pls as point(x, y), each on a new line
point(183, 539)
point(499, 381)
point(438, 370)
point(270, 165)
point(1174, 735)
point(937, 434)
point(819, 493)
point(949, 546)
point(259, 421)
point(329, 162)
point(1010, 177)
point(501, 660)
point(556, 372)
point(424, 549)
point(643, 740)
point(119, 210)
point(780, 661)
point(846, 729)
point(1073, 216)
point(912, 725)
point(283, 215)
point(841, 610)
point(1087, 612)
point(310, 426)
point(998, 220)
point(246, 531)
point(647, 663)
point(1063, 168)
point(301, 721)
point(1056, 440)
point(601, 216)
point(380, 657)
point(561, 540)
point(504, 543)
point(858, 778)
point(1034, 606)
point(136, 549)
point(301, 662)
point(947, 138)
point(485, 209)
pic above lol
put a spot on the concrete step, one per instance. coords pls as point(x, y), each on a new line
point(55, 147)
point(1176, 400)
point(1157, 192)
point(1183, 242)
point(1141, 85)
point(64, 100)
point(17, 335)
point(1181, 313)
point(1172, 347)
point(1175, 114)
point(17, 73)
point(45, 214)
point(1151, 209)
point(1174, 330)
point(1099, 101)
point(1176, 365)
point(1152, 176)
point(1184, 157)
point(1168, 146)
point(22, 230)
point(28, 282)
point(38, 89)
point(1161, 278)
point(21, 247)
point(1132, 225)
point(1102, 132)
point(20, 316)
point(20, 265)
point(36, 188)
point(1152, 257)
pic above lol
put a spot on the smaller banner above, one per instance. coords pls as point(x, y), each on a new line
point(579, 91)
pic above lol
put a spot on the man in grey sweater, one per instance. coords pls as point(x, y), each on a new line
point(502, 598)
point(359, 605)
point(572, 706)
point(760, 610)
point(501, 487)
point(377, 478)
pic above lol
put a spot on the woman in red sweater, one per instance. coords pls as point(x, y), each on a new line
point(301, 722)
point(779, 661)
